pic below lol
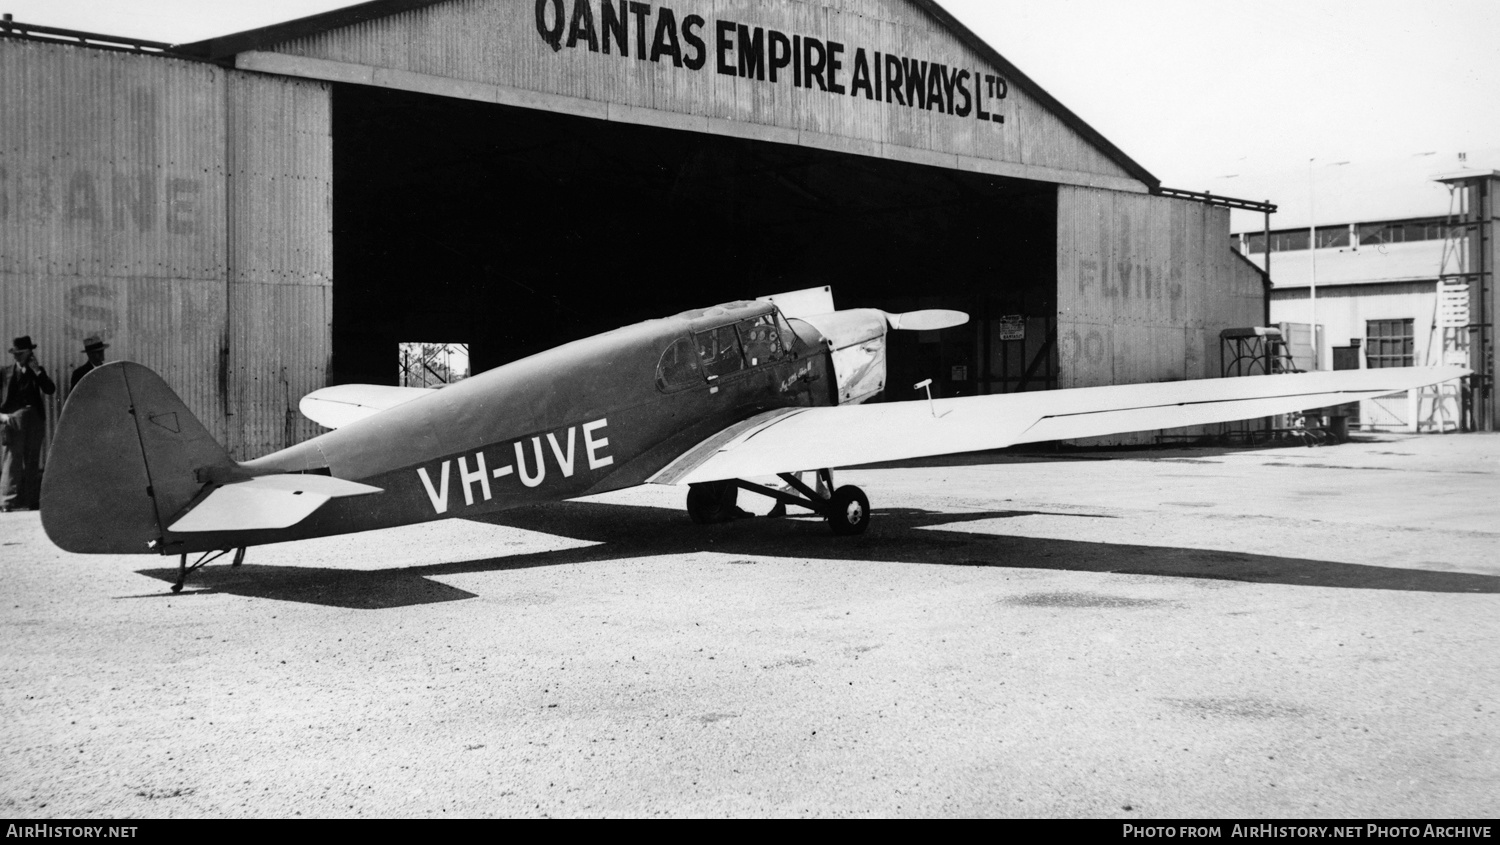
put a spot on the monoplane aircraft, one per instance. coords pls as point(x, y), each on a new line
point(709, 399)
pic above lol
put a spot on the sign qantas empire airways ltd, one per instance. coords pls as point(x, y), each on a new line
point(639, 31)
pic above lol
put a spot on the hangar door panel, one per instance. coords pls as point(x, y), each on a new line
point(281, 259)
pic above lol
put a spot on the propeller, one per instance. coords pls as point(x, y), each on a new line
point(926, 320)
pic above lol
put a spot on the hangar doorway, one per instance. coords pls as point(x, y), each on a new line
point(514, 230)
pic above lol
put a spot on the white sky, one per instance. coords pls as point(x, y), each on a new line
point(1193, 90)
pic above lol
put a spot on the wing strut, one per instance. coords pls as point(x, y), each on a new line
point(846, 508)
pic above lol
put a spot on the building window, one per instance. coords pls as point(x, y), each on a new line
point(1295, 239)
point(1389, 343)
point(1287, 241)
point(1429, 229)
point(1372, 234)
point(1331, 236)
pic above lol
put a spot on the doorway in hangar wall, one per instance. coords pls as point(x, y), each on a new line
point(514, 230)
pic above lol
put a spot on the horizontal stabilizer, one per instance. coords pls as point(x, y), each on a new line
point(267, 501)
point(337, 406)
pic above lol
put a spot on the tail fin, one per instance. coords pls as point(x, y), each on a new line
point(127, 457)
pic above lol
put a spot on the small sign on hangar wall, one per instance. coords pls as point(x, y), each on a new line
point(1012, 327)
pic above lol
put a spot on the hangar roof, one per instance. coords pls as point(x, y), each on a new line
point(224, 49)
point(226, 46)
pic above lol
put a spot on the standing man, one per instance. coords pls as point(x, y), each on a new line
point(94, 348)
point(22, 423)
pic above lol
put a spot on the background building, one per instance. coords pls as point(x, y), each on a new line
point(1402, 274)
point(259, 215)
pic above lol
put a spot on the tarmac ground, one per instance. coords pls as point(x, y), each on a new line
point(1184, 633)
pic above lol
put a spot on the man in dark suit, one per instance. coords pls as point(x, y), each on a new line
point(22, 423)
point(94, 348)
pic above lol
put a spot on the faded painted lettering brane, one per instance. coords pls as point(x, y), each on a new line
point(141, 201)
point(531, 471)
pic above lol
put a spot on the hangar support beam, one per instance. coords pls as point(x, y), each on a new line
point(31, 32)
point(1266, 207)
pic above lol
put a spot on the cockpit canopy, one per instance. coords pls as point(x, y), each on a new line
point(714, 349)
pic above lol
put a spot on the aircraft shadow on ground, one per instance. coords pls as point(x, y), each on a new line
point(897, 535)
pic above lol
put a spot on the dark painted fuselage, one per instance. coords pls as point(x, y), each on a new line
point(590, 416)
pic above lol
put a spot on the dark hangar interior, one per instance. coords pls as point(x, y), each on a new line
point(516, 229)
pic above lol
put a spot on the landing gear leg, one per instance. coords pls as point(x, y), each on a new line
point(207, 557)
point(847, 509)
point(822, 484)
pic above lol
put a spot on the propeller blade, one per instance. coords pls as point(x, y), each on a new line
point(927, 320)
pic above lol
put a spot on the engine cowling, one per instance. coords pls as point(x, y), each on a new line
point(857, 339)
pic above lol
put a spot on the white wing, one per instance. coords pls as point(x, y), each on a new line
point(795, 439)
point(337, 406)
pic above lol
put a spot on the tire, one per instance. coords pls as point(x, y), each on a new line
point(712, 502)
point(848, 511)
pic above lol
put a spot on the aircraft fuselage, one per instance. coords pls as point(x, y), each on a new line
point(597, 414)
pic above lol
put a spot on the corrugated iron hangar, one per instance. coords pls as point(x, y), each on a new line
point(260, 215)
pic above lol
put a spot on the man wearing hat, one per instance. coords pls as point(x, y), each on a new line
point(94, 348)
point(22, 422)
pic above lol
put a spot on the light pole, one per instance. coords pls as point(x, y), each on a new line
point(1312, 245)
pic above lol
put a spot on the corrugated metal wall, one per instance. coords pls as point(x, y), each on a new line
point(281, 258)
point(498, 44)
point(115, 202)
point(1145, 284)
point(112, 217)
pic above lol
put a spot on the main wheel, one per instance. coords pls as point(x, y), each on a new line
point(712, 502)
point(848, 511)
